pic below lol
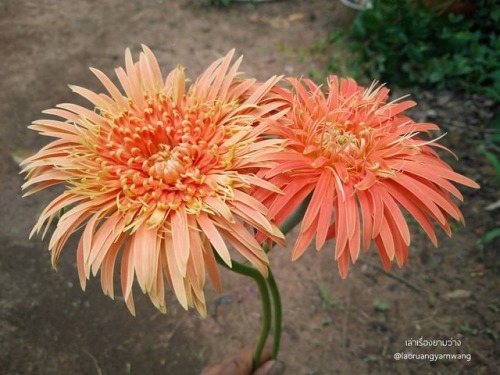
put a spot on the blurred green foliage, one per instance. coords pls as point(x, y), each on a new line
point(490, 149)
point(404, 43)
point(220, 3)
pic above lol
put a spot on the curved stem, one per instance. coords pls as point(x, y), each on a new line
point(266, 302)
point(286, 227)
point(263, 286)
point(292, 220)
point(296, 217)
point(266, 319)
point(271, 283)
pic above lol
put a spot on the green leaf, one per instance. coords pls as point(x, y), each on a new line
point(495, 122)
point(490, 236)
point(492, 93)
point(328, 301)
point(380, 306)
point(493, 160)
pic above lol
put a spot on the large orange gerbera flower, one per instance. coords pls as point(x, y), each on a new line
point(363, 161)
point(160, 175)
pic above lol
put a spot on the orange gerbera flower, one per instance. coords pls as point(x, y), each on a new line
point(160, 175)
point(363, 161)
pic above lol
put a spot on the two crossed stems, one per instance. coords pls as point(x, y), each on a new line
point(268, 285)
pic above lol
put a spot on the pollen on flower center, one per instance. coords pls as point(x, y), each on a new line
point(347, 143)
point(162, 156)
point(336, 138)
point(168, 165)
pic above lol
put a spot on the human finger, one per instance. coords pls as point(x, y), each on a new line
point(272, 367)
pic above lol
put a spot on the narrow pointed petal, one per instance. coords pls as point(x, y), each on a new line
point(180, 238)
point(175, 274)
point(211, 265)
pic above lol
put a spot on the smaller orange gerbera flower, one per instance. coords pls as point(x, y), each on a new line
point(364, 162)
point(159, 174)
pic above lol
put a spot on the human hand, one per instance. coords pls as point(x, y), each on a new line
point(242, 363)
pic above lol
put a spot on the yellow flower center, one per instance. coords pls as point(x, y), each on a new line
point(161, 156)
point(168, 165)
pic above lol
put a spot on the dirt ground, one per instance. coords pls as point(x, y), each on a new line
point(49, 326)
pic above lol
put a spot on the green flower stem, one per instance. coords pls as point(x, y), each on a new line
point(296, 217)
point(292, 220)
point(275, 293)
point(287, 226)
point(266, 303)
point(263, 286)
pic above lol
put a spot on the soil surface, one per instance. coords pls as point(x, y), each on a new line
point(48, 325)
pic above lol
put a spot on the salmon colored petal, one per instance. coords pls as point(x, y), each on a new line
point(392, 210)
point(364, 204)
point(146, 256)
point(80, 262)
point(355, 241)
point(303, 240)
point(323, 186)
point(325, 211)
point(382, 252)
point(343, 263)
point(112, 89)
point(180, 239)
point(211, 266)
point(175, 274)
point(417, 212)
point(103, 238)
point(215, 238)
point(254, 255)
point(108, 267)
point(288, 201)
point(127, 270)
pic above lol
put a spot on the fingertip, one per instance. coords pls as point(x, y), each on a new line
point(272, 367)
point(277, 369)
point(266, 355)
